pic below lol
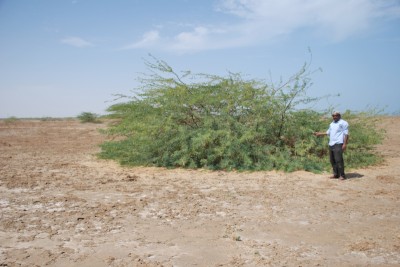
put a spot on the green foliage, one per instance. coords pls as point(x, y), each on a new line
point(225, 123)
point(85, 117)
point(364, 136)
point(11, 119)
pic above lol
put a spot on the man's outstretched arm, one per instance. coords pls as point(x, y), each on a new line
point(320, 133)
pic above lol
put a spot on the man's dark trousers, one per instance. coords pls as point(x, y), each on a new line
point(336, 158)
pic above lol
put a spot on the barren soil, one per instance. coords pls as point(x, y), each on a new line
point(61, 206)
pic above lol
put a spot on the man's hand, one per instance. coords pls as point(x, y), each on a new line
point(344, 147)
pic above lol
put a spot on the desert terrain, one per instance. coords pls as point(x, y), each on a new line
point(62, 206)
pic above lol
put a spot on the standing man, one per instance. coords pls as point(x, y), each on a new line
point(338, 134)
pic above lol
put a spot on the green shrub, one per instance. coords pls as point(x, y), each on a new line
point(227, 123)
point(11, 119)
point(85, 117)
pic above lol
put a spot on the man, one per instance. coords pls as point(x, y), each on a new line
point(338, 134)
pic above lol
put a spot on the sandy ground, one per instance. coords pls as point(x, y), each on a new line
point(60, 206)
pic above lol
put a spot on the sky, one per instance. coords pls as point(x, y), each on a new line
point(61, 58)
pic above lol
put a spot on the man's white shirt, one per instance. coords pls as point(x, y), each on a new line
point(337, 131)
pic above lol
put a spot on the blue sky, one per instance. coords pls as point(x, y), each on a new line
point(61, 58)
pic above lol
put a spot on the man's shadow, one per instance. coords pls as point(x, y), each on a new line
point(354, 175)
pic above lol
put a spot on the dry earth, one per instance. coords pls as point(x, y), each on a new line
point(61, 206)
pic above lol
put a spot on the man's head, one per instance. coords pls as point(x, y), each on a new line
point(336, 115)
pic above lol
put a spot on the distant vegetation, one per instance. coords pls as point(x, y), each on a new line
point(15, 119)
point(11, 119)
point(228, 123)
point(86, 117)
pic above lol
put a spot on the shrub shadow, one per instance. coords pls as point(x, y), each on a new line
point(354, 175)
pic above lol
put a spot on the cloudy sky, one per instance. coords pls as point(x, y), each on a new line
point(61, 58)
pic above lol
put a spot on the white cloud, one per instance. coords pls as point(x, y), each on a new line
point(260, 21)
point(148, 39)
point(76, 41)
point(336, 19)
point(191, 40)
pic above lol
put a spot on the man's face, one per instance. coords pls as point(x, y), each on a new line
point(336, 117)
